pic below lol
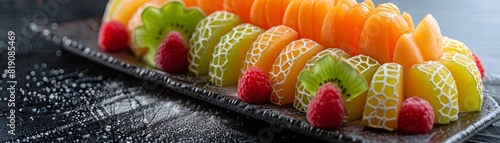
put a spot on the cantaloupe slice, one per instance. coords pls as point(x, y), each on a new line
point(428, 37)
point(332, 20)
point(291, 17)
point(258, 14)
point(381, 32)
point(275, 11)
point(354, 21)
point(407, 52)
point(286, 68)
point(242, 8)
point(210, 6)
point(268, 47)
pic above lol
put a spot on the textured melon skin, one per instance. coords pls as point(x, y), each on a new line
point(286, 68)
point(384, 98)
point(468, 80)
point(206, 36)
point(227, 57)
point(436, 85)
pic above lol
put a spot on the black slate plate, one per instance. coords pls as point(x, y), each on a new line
point(80, 37)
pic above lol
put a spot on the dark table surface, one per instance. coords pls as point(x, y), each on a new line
point(64, 97)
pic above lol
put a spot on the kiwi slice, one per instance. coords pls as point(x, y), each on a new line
point(158, 22)
point(339, 72)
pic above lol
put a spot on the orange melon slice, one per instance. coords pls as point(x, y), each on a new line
point(429, 38)
point(258, 14)
point(210, 6)
point(242, 8)
point(291, 16)
point(268, 47)
point(286, 68)
point(354, 22)
point(381, 32)
point(407, 52)
point(275, 11)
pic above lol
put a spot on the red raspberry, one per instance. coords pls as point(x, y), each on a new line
point(326, 110)
point(254, 86)
point(113, 36)
point(416, 116)
point(479, 65)
point(171, 55)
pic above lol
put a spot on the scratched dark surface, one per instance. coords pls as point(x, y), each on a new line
point(64, 97)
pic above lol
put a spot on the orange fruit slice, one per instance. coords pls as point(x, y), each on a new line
point(339, 22)
point(286, 68)
point(429, 38)
point(354, 22)
point(267, 47)
point(190, 3)
point(311, 17)
point(275, 11)
point(328, 29)
point(242, 8)
point(291, 17)
point(407, 52)
point(258, 14)
point(210, 6)
point(381, 32)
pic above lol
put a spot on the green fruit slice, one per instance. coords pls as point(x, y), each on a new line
point(229, 54)
point(468, 80)
point(339, 72)
point(158, 22)
point(433, 82)
point(207, 34)
point(302, 96)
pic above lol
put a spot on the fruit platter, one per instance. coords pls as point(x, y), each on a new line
point(334, 70)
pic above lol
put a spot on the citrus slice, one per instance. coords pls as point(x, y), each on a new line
point(354, 22)
point(381, 32)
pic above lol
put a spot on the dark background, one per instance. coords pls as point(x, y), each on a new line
point(64, 97)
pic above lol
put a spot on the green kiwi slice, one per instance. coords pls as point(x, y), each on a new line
point(339, 72)
point(158, 22)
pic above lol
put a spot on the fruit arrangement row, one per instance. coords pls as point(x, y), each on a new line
point(337, 61)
